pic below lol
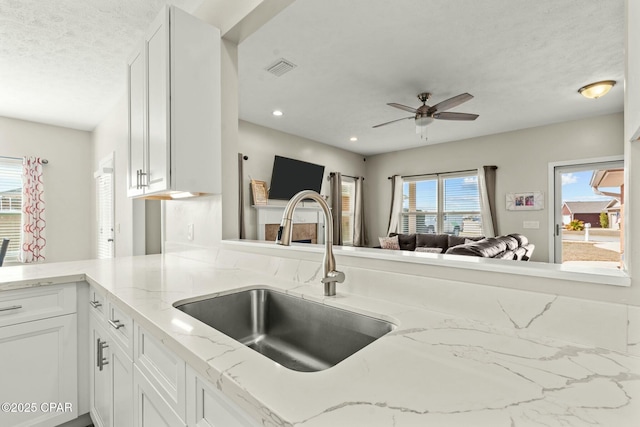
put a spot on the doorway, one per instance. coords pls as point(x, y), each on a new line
point(105, 208)
point(588, 213)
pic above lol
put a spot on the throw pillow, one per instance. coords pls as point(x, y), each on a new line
point(429, 250)
point(389, 242)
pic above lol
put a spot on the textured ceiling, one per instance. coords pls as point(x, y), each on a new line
point(63, 62)
point(522, 60)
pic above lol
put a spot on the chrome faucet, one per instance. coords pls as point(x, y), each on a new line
point(331, 275)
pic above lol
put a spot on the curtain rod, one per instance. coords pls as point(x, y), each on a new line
point(44, 161)
point(440, 173)
point(348, 176)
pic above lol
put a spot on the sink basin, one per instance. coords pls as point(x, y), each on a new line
point(299, 334)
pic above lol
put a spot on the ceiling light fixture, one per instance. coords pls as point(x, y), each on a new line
point(277, 113)
point(597, 89)
point(421, 125)
point(353, 139)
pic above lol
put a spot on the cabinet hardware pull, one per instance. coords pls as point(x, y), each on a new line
point(142, 180)
point(13, 307)
point(138, 179)
point(101, 359)
point(116, 324)
point(95, 304)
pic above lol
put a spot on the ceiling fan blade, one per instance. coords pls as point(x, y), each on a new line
point(455, 116)
point(451, 102)
point(393, 121)
point(403, 107)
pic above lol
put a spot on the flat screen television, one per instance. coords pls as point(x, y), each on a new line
point(290, 176)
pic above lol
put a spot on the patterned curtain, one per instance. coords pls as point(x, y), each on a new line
point(33, 219)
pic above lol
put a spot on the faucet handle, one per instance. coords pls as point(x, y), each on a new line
point(333, 277)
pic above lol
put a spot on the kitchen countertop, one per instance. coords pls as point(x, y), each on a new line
point(433, 369)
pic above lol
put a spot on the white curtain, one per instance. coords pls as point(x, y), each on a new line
point(486, 184)
point(359, 230)
point(33, 209)
point(396, 204)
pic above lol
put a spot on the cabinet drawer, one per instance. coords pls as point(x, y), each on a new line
point(25, 305)
point(120, 327)
point(97, 301)
point(162, 368)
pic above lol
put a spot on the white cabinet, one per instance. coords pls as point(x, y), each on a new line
point(150, 409)
point(162, 368)
point(175, 109)
point(137, 133)
point(100, 384)
point(207, 407)
point(136, 380)
point(111, 377)
point(38, 356)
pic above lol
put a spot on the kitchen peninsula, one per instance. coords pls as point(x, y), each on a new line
point(435, 368)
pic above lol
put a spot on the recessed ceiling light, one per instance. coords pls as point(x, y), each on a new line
point(353, 139)
point(277, 113)
point(597, 89)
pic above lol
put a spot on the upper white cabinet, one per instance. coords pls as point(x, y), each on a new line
point(174, 109)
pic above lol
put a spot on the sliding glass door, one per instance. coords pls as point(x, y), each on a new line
point(588, 214)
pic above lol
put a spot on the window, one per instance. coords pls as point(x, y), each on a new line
point(348, 203)
point(445, 203)
point(11, 205)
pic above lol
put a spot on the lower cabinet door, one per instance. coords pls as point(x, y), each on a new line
point(38, 370)
point(100, 376)
point(122, 387)
point(150, 409)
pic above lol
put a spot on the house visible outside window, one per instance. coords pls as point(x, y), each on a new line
point(348, 204)
point(11, 205)
point(445, 203)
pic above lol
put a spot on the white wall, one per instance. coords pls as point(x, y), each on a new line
point(260, 144)
point(67, 182)
point(522, 158)
point(111, 136)
point(632, 149)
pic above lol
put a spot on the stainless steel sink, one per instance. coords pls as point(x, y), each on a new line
point(299, 334)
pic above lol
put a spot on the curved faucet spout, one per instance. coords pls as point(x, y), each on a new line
point(330, 275)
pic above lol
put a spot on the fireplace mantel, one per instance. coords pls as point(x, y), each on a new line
point(311, 213)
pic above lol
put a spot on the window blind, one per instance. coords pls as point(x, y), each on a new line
point(104, 184)
point(444, 203)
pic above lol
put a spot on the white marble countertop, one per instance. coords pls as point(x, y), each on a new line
point(434, 369)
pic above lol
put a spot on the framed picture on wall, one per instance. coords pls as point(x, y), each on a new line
point(260, 192)
point(526, 201)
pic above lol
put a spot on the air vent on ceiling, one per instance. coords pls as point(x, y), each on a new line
point(280, 67)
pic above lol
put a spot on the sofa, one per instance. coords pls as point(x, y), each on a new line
point(512, 247)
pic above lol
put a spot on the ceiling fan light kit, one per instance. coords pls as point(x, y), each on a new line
point(425, 115)
point(597, 89)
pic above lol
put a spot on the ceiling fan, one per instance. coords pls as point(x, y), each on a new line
point(425, 114)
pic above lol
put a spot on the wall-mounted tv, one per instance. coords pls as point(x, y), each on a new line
point(291, 176)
